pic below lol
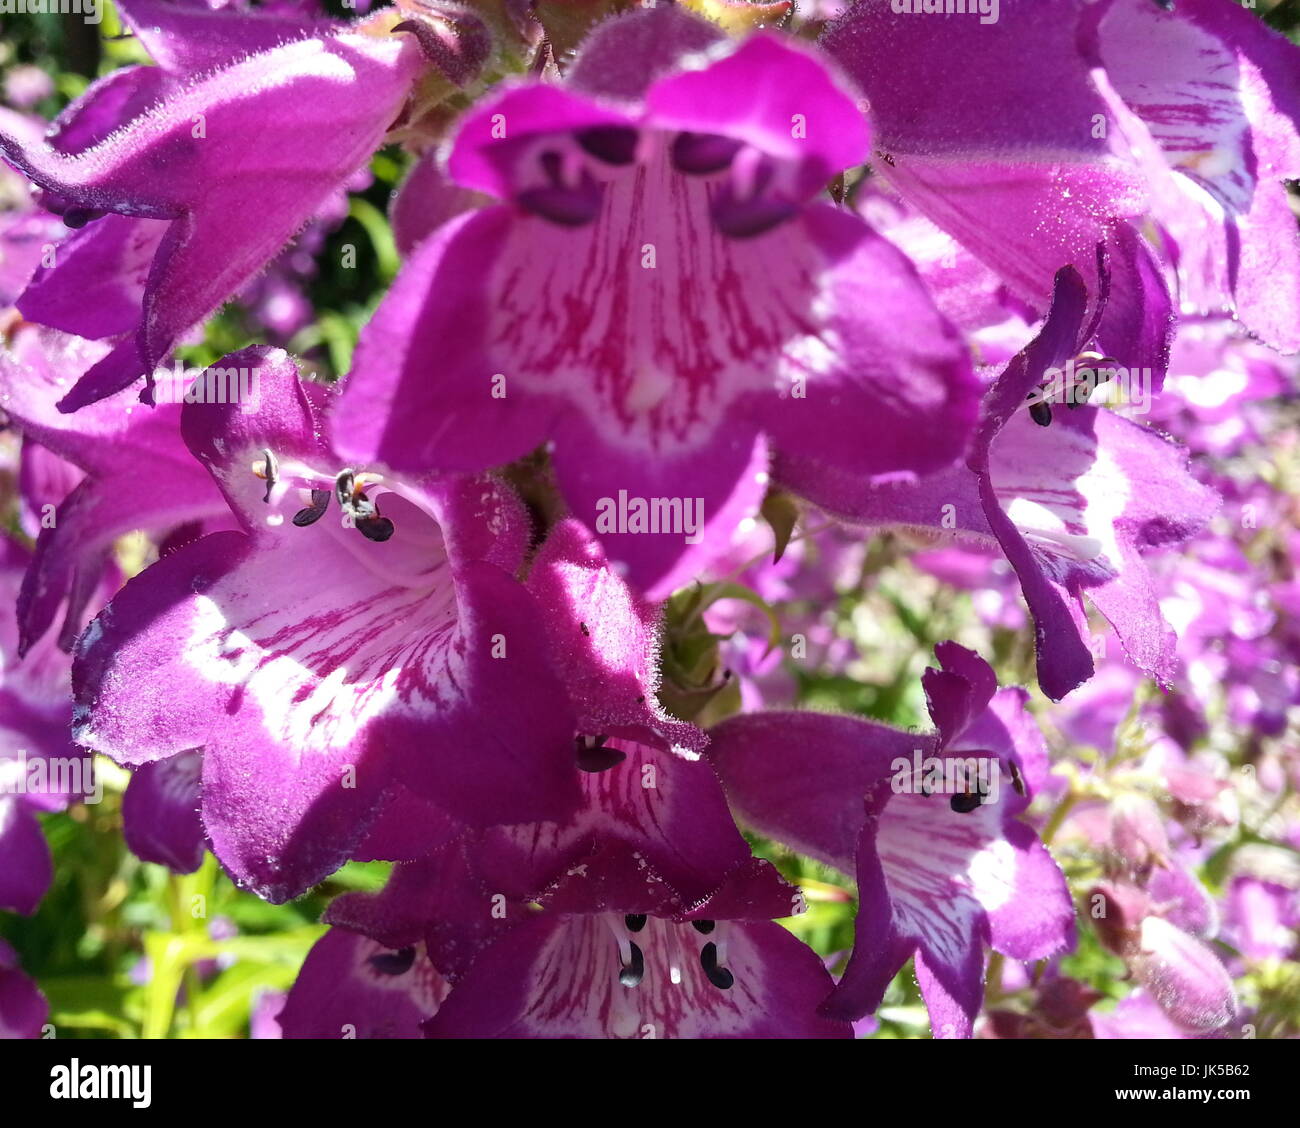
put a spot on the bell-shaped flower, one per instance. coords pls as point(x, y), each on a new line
point(156, 163)
point(928, 824)
point(661, 297)
point(359, 636)
point(1073, 495)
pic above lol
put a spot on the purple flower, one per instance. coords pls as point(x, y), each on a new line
point(137, 476)
point(1262, 918)
point(26, 230)
point(152, 164)
point(661, 298)
point(40, 768)
point(353, 987)
point(23, 1009)
point(654, 919)
point(1182, 974)
point(1138, 1015)
point(1205, 101)
point(160, 812)
point(612, 975)
point(1074, 505)
point(1019, 175)
point(324, 665)
point(927, 823)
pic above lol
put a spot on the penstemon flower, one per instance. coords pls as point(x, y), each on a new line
point(1073, 504)
point(660, 297)
point(786, 528)
point(927, 823)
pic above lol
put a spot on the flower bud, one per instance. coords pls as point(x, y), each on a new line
point(1137, 833)
point(1184, 977)
point(1119, 909)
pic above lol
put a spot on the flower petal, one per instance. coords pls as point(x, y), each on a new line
point(353, 987)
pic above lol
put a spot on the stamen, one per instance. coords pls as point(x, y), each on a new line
point(377, 529)
point(704, 927)
point(269, 469)
point(344, 486)
point(634, 970)
point(1016, 781)
point(613, 144)
point(1091, 370)
point(698, 154)
point(363, 511)
point(77, 218)
point(720, 977)
point(594, 757)
point(1041, 413)
point(965, 803)
point(393, 963)
point(570, 204)
point(635, 921)
point(320, 501)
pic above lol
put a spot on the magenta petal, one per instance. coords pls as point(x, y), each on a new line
point(439, 901)
point(160, 812)
point(43, 478)
point(936, 875)
point(960, 692)
point(163, 166)
point(407, 827)
point(1088, 497)
point(353, 987)
point(773, 95)
point(678, 830)
point(879, 404)
point(1025, 58)
point(423, 390)
point(1060, 624)
point(1137, 324)
point(505, 736)
point(23, 1009)
point(662, 521)
point(605, 643)
point(111, 441)
point(118, 97)
point(141, 637)
point(558, 976)
point(880, 948)
point(188, 38)
point(801, 777)
point(1019, 179)
point(425, 201)
point(70, 556)
point(96, 288)
point(1036, 919)
point(281, 826)
point(620, 58)
point(25, 865)
point(482, 155)
point(1215, 126)
point(1184, 976)
point(1008, 215)
point(952, 1000)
